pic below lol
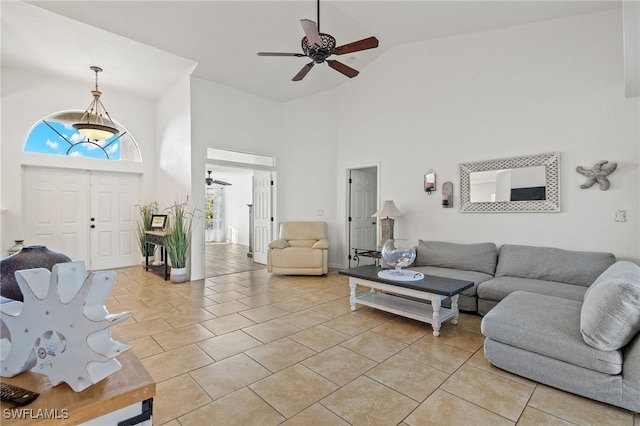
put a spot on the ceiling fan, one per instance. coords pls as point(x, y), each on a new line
point(210, 181)
point(319, 46)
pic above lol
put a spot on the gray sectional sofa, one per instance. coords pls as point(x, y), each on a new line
point(590, 347)
point(568, 319)
point(497, 273)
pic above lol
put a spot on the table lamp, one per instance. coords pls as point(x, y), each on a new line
point(386, 213)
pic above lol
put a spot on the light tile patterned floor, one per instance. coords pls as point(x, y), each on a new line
point(250, 348)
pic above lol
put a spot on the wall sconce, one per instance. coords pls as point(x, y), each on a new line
point(447, 195)
point(385, 213)
point(430, 181)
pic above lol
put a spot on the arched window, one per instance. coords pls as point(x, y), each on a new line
point(55, 135)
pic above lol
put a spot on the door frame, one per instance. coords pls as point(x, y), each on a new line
point(347, 223)
point(254, 168)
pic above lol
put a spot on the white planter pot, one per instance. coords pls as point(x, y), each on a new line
point(178, 275)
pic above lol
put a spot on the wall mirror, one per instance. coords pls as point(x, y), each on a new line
point(519, 184)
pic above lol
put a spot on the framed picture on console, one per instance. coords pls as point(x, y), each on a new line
point(158, 222)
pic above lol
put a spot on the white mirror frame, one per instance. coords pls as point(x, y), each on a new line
point(551, 161)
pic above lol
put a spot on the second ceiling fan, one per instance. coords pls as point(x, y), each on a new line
point(319, 46)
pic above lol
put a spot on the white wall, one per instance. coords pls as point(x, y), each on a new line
point(553, 86)
point(29, 97)
point(226, 118)
point(307, 165)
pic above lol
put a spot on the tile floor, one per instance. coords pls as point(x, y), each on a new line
point(250, 348)
point(226, 258)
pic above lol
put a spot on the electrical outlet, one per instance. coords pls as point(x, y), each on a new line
point(620, 216)
point(320, 213)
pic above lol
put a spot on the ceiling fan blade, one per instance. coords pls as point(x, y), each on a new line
point(299, 55)
point(304, 71)
point(344, 69)
point(356, 46)
point(311, 31)
point(221, 182)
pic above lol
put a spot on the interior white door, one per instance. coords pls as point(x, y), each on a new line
point(363, 202)
point(262, 215)
point(55, 210)
point(112, 221)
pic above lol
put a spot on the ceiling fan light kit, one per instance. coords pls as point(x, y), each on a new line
point(319, 46)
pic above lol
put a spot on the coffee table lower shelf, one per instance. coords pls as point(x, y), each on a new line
point(419, 311)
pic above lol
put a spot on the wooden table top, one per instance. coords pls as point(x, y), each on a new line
point(131, 384)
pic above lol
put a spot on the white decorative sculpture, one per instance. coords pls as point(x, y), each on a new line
point(62, 329)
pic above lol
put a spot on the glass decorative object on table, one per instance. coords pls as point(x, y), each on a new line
point(399, 253)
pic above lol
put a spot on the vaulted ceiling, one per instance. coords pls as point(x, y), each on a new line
point(143, 45)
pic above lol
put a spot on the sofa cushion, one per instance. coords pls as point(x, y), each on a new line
point(302, 243)
point(552, 264)
point(303, 230)
point(480, 257)
point(549, 326)
point(297, 257)
point(476, 277)
point(500, 287)
point(279, 244)
point(610, 315)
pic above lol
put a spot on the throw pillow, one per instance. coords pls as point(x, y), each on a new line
point(610, 315)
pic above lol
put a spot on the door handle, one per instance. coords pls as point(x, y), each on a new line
point(93, 219)
point(93, 226)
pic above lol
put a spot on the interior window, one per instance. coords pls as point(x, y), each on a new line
point(55, 135)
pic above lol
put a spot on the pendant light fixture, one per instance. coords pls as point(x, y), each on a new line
point(96, 123)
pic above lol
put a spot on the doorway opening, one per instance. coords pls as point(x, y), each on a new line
point(240, 203)
point(362, 203)
point(228, 205)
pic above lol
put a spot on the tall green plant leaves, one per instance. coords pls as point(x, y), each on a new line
point(144, 224)
point(178, 238)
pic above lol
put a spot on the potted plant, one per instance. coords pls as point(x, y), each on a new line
point(178, 239)
point(143, 225)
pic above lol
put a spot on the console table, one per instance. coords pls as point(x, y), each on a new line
point(431, 289)
point(374, 254)
point(157, 238)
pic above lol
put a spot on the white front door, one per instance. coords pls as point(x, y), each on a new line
point(55, 210)
point(363, 204)
point(59, 204)
point(262, 215)
point(113, 216)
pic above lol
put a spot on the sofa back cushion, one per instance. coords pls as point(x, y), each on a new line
point(303, 230)
point(610, 314)
point(552, 264)
point(480, 257)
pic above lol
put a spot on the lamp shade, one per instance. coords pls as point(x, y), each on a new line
point(388, 209)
